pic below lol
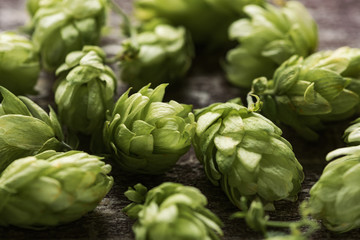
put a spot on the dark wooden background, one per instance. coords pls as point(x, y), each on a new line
point(339, 25)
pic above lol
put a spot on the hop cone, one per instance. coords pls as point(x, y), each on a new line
point(267, 39)
point(66, 26)
point(335, 197)
point(85, 91)
point(244, 153)
point(171, 211)
point(19, 63)
point(163, 55)
point(207, 20)
point(305, 93)
point(52, 188)
point(26, 129)
point(146, 135)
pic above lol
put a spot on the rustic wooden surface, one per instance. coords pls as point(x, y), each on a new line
point(339, 24)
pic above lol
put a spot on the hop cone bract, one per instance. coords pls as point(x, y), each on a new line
point(267, 39)
point(52, 188)
point(352, 133)
point(171, 211)
point(19, 63)
point(146, 135)
point(244, 153)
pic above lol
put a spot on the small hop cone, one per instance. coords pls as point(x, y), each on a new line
point(146, 135)
point(171, 211)
point(52, 188)
point(244, 153)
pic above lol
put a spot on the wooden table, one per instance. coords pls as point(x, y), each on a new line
point(339, 24)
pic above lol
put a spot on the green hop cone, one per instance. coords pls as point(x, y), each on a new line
point(171, 211)
point(206, 20)
point(19, 63)
point(335, 197)
point(85, 90)
point(306, 93)
point(267, 39)
point(26, 129)
point(146, 135)
point(66, 26)
point(244, 153)
point(52, 188)
point(162, 55)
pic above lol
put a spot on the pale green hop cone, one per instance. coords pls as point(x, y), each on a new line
point(146, 135)
point(335, 197)
point(268, 38)
point(306, 93)
point(85, 91)
point(66, 26)
point(52, 188)
point(162, 55)
point(244, 153)
point(26, 129)
point(19, 63)
point(171, 211)
point(206, 20)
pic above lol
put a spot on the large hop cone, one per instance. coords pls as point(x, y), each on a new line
point(306, 93)
point(52, 188)
point(146, 135)
point(244, 153)
point(26, 129)
point(268, 38)
point(171, 211)
point(335, 197)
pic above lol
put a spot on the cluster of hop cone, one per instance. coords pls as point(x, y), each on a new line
point(44, 181)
